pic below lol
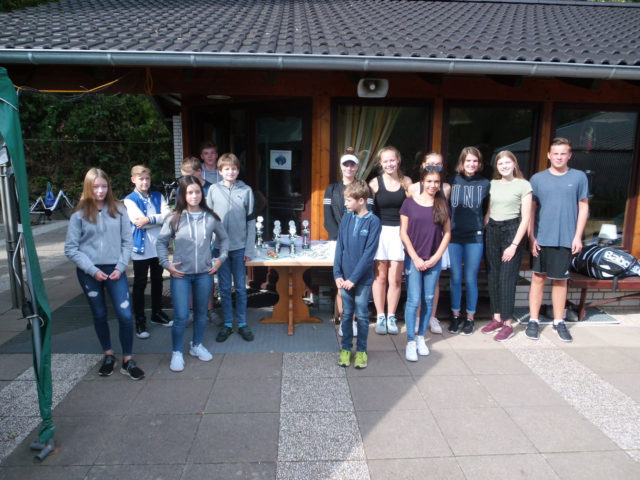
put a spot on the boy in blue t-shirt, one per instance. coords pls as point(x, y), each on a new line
point(356, 247)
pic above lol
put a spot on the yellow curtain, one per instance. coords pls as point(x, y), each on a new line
point(367, 130)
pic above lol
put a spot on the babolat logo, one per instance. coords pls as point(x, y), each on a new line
point(616, 258)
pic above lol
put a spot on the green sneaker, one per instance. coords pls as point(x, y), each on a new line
point(361, 360)
point(345, 358)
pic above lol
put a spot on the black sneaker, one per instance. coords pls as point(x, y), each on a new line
point(246, 333)
point(108, 364)
point(161, 318)
point(467, 329)
point(141, 327)
point(129, 368)
point(224, 333)
point(454, 326)
point(532, 330)
point(563, 333)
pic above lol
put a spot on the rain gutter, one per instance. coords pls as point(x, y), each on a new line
point(365, 64)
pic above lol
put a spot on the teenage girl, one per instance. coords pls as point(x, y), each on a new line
point(193, 228)
point(389, 191)
point(425, 231)
point(99, 242)
point(508, 219)
point(433, 162)
point(469, 200)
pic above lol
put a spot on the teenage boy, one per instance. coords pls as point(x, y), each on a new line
point(356, 248)
point(193, 166)
point(209, 157)
point(232, 200)
point(147, 212)
point(560, 212)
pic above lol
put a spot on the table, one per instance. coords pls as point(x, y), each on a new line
point(290, 308)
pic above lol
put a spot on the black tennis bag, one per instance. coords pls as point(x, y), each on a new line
point(605, 263)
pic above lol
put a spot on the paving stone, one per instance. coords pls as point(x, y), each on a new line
point(172, 396)
point(345, 470)
point(44, 473)
point(106, 398)
point(312, 436)
point(311, 365)
point(482, 431)
point(605, 360)
point(454, 391)
point(506, 467)
point(385, 394)
point(236, 438)
point(520, 390)
point(593, 465)
point(229, 471)
point(482, 362)
point(194, 369)
point(415, 469)
point(316, 394)
point(251, 365)
point(238, 395)
point(439, 362)
point(139, 472)
point(14, 364)
point(381, 364)
point(401, 434)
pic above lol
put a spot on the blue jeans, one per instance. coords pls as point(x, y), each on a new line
point(201, 285)
point(469, 254)
point(421, 287)
point(355, 300)
point(119, 293)
point(233, 267)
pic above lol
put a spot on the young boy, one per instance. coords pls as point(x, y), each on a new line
point(193, 166)
point(147, 211)
point(356, 247)
point(209, 157)
point(232, 200)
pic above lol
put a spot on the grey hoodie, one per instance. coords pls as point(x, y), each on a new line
point(106, 242)
point(192, 242)
point(234, 205)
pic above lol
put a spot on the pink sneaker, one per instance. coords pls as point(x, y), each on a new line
point(492, 327)
point(504, 334)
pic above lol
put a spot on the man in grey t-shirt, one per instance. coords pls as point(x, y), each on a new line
point(560, 212)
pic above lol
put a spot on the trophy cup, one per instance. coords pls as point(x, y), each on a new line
point(292, 237)
point(306, 235)
point(259, 228)
point(276, 236)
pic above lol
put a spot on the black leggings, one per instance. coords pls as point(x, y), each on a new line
point(140, 270)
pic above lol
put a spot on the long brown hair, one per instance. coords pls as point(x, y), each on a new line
point(463, 155)
point(440, 210)
point(87, 201)
point(509, 154)
point(181, 204)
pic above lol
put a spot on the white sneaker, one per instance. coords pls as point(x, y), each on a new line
point(434, 326)
point(422, 348)
point(381, 325)
point(392, 328)
point(177, 362)
point(200, 352)
point(411, 352)
point(340, 329)
point(355, 328)
point(144, 334)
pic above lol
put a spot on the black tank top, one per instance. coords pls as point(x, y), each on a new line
point(387, 204)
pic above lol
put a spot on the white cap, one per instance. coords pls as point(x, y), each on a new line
point(349, 157)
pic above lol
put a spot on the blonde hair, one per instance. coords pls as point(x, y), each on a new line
point(228, 160)
point(87, 201)
point(191, 164)
point(560, 141)
point(463, 154)
point(140, 170)
point(508, 154)
point(396, 152)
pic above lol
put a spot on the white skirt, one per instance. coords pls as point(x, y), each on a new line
point(390, 246)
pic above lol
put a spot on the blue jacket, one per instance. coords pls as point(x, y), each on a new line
point(356, 248)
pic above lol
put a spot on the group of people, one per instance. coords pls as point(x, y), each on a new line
point(212, 229)
point(422, 228)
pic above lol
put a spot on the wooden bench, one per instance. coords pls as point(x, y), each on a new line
point(584, 283)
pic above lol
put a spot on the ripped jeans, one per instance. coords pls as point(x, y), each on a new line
point(421, 287)
point(119, 293)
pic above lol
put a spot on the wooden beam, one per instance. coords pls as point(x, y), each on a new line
point(545, 134)
point(438, 125)
point(320, 165)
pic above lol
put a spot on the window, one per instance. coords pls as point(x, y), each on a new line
point(603, 143)
point(491, 129)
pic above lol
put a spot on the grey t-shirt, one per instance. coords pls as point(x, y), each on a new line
point(557, 197)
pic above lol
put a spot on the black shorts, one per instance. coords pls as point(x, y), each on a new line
point(554, 262)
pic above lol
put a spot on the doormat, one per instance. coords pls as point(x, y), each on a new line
point(594, 316)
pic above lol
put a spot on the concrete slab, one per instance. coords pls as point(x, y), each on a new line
point(14, 364)
point(381, 363)
point(311, 365)
point(441, 361)
point(36, 472)
point(628, 383)
point(415, 469)
point(345, 470)
point(107, 397)
point(483, 362)
point(593, 465)
point(172, 396)
point(316, 394)
point(520, 390)
point(251, 365)
point(605, 359)
point(507, 467)
point(242, 395)
point(454, 391)
point(229, 471)
point(385, 394)
point(139, 472)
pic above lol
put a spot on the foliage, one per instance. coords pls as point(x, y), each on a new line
point(8, 5)
point(65, 136)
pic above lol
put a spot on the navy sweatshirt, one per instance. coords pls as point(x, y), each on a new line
point(469, 201)
point(356, 248)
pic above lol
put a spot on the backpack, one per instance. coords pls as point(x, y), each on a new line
point(49, 197)
point(605, 263)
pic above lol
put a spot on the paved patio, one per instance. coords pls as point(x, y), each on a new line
point(473, 409)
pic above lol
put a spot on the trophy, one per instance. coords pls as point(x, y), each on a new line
point(292, 237)
point(276, 236)
point(259, 228)
point(306, 235)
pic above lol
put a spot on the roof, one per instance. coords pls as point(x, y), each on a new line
point(581, 39)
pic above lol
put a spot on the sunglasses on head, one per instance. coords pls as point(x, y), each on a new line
point(433, 168)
